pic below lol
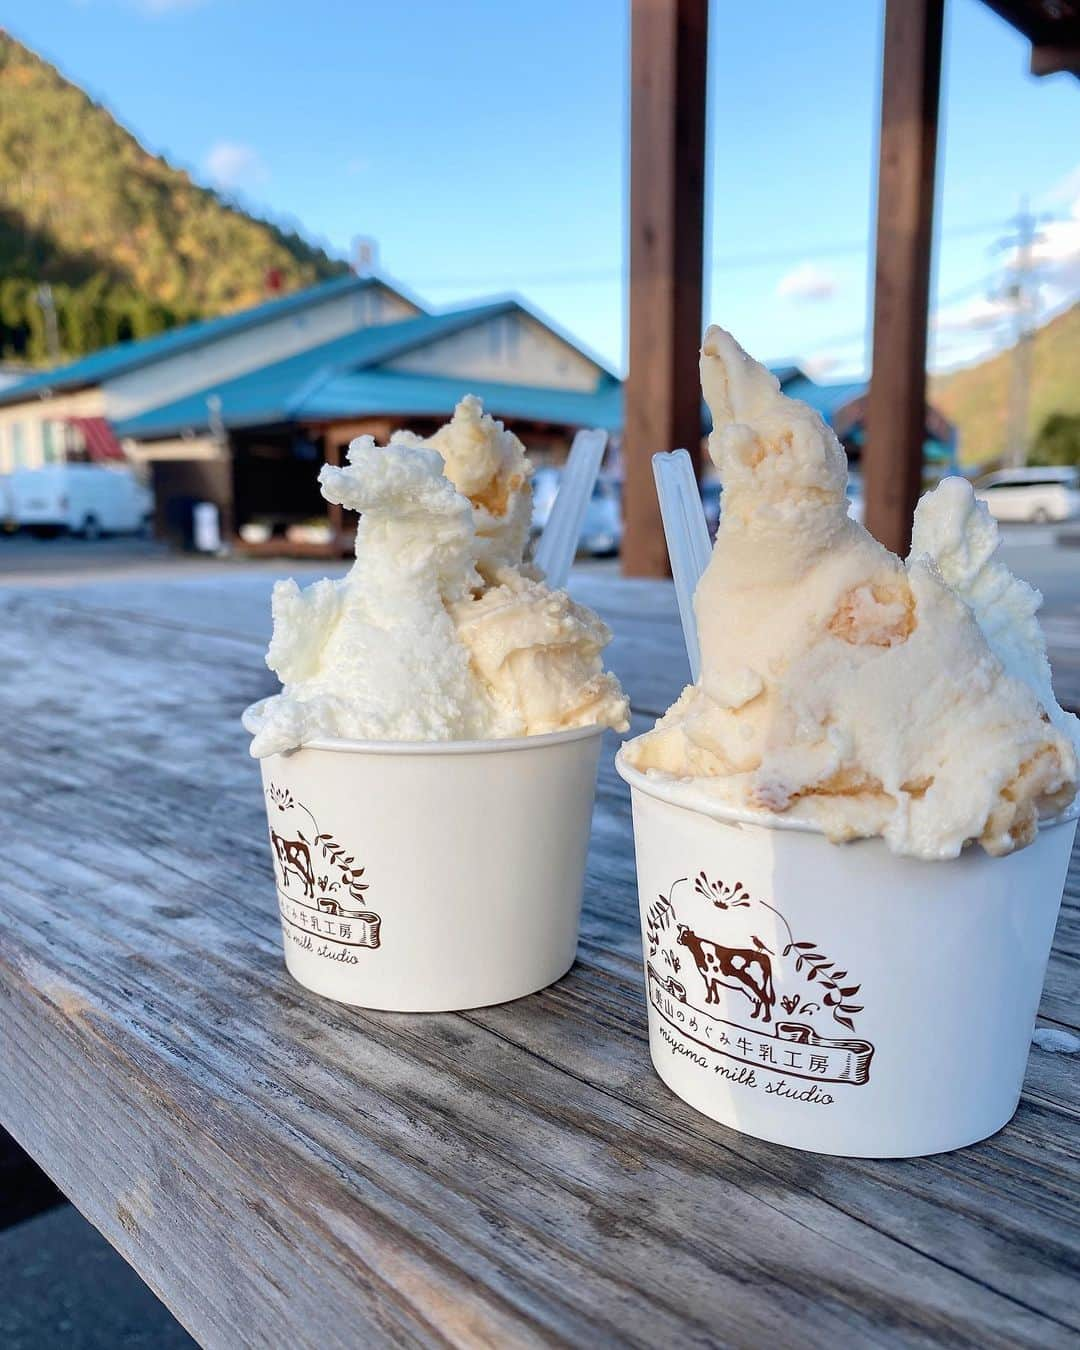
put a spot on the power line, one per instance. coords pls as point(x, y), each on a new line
point(859, 335)
point(758, 258)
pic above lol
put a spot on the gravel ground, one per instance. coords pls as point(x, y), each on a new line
point(64, 1288)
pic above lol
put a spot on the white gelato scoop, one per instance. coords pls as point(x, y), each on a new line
point(438, 632)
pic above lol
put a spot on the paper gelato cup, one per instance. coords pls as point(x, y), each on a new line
point(838, 998)
point(430, 877)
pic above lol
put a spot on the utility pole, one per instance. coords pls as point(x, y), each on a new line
point(1021, 294)
point(48, 309)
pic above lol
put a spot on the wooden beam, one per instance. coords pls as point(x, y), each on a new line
point(911, 79)
point(1052, 60)
point(667, 217)
point(335, 446)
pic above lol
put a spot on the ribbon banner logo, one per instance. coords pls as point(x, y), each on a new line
point(792, 1047)
point(321, 890)
point(797, 998)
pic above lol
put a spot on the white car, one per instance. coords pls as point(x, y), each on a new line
point(86, 499)
point(1031, 494)
point(856, 501)
point(601, 529)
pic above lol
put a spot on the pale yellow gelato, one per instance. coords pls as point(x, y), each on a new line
point(840, 685)
point(486, 462)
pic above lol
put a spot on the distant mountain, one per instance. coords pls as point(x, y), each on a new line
point(130, 244)
point(976, 398)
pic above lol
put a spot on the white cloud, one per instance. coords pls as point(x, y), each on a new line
point(1066, 191)
point(1056, 255)
point(231, 164)
point(808, 283)
point(824, 363)
point(1056, 252)
point(973, 316)
point(156, 7)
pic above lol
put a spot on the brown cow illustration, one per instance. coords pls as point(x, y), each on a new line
point(740, 968)
point(294, 856)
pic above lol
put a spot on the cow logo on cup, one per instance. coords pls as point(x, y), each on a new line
point(322, 892)
point(775, 1005)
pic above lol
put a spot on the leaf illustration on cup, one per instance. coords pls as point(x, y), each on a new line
point(282, 798)
point(819, 968)
point(721, 894)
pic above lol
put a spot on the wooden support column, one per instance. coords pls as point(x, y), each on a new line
point(335, 455)
point(667, 216)
point(336, 438)
point(896, 410)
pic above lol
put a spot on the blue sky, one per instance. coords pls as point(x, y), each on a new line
point(483, 146)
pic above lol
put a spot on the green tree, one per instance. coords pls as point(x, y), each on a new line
point(1058, 441)
point(131, 245)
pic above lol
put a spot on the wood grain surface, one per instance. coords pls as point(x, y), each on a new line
point(283, 1170)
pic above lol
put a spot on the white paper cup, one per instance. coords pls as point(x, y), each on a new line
point(838, 998)
point(430, 877)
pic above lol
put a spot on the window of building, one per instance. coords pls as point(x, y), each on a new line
point(52, 443)
point(18, 445)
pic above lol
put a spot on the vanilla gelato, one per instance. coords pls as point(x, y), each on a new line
point(439, 631)
point(840, 685)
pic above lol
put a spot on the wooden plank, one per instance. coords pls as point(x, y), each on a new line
point(668, 58)
point(911, 78)
point(284, 1170)
point(1053, 60)
point(336, 442)
point(1053, 30)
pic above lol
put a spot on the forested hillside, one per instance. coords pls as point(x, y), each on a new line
point(976, 398)
point(129, 244)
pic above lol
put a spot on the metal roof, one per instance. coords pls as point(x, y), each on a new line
point(385, 392)
point(129, 356)
point(345, 378)
point(826, 399)
point(318, 383)
point(842, 406)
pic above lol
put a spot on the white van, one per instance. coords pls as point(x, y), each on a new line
point(1035, 494)
point(86, 499)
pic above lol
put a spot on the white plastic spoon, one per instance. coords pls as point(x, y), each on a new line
point(687, 538)
point(558, 543)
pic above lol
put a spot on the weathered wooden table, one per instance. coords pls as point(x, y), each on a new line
point(285, 1171)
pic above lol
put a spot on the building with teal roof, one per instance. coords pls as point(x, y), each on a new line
point(269, 427)
point(240, 410)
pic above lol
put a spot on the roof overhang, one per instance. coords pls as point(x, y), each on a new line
point(1051, 26)
point(853, 413)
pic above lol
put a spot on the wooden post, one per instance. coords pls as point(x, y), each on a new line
point(667, 215)
point(896, 408)
point(1053, 60)
point(335, 455)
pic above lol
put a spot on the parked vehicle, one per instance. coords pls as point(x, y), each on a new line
point(86, 499)
point(1031, 494)
point(711, 493)
point(545, 488)
point(601, 530)
point(856, 502)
